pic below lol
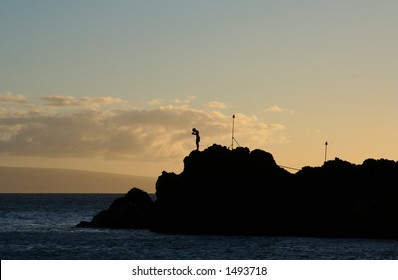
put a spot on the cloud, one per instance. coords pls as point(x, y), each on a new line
point(9, 97)
point(274, 109)
point(121, 133)
point(277, 109)
point(216, 104)
point(84, 102)
point(177, 102)
point(155, 102)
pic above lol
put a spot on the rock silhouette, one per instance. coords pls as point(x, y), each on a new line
point(222, 191)
point(131, 211)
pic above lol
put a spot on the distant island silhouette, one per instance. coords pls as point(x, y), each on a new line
point(243, 192)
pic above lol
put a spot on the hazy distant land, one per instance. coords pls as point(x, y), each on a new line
point(49, 180)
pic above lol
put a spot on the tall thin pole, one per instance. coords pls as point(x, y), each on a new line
point(326, 149)
point(233, 131)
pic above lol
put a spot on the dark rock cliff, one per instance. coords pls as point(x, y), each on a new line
point(222, 191)
point(131, 211)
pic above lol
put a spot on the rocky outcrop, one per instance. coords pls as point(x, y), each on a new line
point(131, 211)
point(222, 191)
point(344, 199)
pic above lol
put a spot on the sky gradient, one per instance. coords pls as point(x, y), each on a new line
point(117, 86)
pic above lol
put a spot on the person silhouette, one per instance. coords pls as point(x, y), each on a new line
point(196, 133)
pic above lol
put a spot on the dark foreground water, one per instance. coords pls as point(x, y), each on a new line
point(41, 226)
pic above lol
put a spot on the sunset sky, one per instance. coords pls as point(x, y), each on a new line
point(117, 86)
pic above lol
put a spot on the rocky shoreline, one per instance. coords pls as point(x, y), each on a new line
point(243, 192)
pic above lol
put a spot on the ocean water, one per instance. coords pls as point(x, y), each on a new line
point(41, 226)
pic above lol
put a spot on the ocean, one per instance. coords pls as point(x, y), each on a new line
point(42, 227)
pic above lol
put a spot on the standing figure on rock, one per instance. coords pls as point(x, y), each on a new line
point(196, 133)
